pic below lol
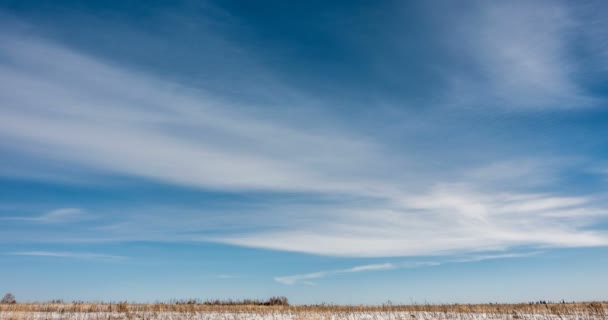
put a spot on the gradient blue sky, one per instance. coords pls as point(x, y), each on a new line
point(328, 151)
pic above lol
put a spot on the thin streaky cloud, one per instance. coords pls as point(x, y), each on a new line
point(246, 153)
point(61, 215)
point(522, 56)
point(464, 220)
point(115, 120)
point(68, 254)
point(477, 258)
point(306, 277)
point(293, 279)
point(370, 267)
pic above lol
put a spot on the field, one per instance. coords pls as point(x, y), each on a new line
point(108, 311)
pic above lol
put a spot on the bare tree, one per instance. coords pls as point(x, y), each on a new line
point(8, 298)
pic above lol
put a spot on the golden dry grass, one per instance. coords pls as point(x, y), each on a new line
point(550, 308)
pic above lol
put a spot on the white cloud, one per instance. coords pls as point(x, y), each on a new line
point(65, 254)
point(293, 279)
point(482, 257)
point(447, 220)
point(61, 215)
point(306, 277)
point(522, 51)
point(116, 121)
point(99, 117)
point(302, 278)
point(370, 267)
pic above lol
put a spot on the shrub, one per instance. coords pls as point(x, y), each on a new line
point(8, 298)
point(277, 301)
point(274, 301)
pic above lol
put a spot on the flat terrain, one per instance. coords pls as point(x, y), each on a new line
point(106, 311)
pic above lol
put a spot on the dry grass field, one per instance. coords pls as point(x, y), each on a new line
point(108, 311)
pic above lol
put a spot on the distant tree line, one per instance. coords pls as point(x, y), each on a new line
point(273, 301)
point(9, 298)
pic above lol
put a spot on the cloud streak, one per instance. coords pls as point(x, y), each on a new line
point(61, 215)
point(522, 55)
point(140, 126)
point(304, 278)
point(67, 254)
point(448, 219)
point(379, 198)
point(483, 257)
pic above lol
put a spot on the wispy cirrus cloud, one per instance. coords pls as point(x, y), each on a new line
point(305, 278)
point(214, 146)
point(61, 215)
point(67, 254)
point(116, 121)
point(482, 257)
point(448, 219)
point(521, 54)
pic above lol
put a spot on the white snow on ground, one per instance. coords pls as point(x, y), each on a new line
point(150, 315)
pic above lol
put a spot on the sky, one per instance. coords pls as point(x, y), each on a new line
point(352, 152)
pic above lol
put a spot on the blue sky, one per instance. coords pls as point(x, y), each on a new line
point(340, 152)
